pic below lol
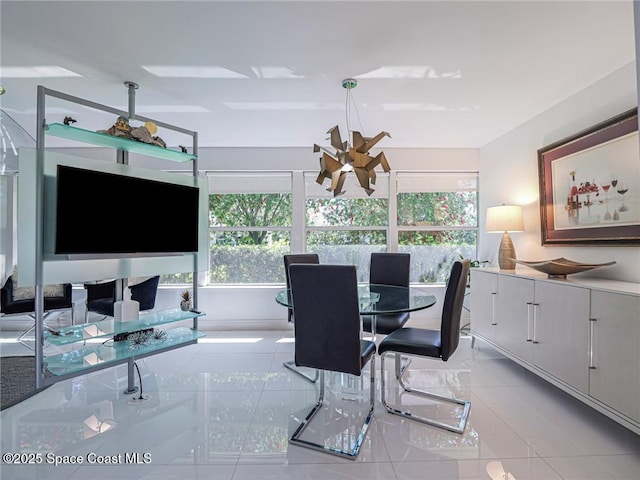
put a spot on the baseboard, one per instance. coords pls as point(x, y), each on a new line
point(266, 324)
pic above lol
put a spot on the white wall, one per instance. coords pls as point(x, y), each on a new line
point(509, 174)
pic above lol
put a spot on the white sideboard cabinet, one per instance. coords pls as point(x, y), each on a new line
point(582, 335)
point(615, 356)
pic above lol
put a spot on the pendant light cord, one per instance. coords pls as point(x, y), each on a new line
point(349, 102)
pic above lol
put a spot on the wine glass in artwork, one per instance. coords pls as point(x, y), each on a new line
point(614, 180)
point(606, 185)
point(622, 188)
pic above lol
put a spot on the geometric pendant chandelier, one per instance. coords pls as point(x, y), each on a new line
point(350, 156)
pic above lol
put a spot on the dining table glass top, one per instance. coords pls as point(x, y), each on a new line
point(376, 299)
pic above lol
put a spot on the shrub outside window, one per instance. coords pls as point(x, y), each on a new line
point(346, 229)
point(437, 221)
point(249, 227)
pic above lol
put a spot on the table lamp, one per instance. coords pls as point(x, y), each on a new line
point(505, 218)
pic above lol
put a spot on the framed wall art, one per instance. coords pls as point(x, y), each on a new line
point(590, 185)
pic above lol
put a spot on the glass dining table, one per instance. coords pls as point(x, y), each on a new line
point(376, 299)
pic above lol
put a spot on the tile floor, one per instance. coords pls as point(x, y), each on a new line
point(223, 410)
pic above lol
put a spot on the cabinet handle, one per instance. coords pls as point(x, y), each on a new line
point(493, 308)
point(529, 321)
point(592, 322)
point(535, 320)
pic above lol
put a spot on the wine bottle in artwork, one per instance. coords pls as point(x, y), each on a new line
point(572, 200)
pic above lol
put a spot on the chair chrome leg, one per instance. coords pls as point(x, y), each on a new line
point(290, 364)
point(33, 327)
point(400, 366)
point(24, 334)
point(462, 419)
point(350, 454)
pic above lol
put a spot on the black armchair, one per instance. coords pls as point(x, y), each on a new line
point(145, 292)
point(102, 296)
point(27, 306)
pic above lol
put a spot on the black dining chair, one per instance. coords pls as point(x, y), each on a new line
point(388, 269)
point(328, 338)
point(309, 258)
point(424, 342)
point(289, 259)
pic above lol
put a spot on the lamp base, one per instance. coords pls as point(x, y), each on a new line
point(506, 253)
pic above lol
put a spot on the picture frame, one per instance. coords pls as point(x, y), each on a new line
point(590, 185)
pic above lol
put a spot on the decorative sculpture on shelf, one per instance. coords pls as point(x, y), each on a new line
point(143, 133)
point(350, 156)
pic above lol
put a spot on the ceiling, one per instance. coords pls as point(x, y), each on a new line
point(450, 74)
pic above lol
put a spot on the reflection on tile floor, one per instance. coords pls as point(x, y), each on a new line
point(224, 409)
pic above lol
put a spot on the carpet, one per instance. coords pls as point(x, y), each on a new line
point(18, 380)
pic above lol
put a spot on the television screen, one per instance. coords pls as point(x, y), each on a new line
point(108, 213)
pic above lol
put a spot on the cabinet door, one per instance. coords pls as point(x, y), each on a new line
point(615, 374)
point(515, 315)
point(484, 287)
point(561, 332)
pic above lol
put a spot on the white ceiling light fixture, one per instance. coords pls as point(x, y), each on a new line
point(350, 156)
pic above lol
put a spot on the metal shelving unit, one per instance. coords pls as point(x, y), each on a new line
point(67, 365)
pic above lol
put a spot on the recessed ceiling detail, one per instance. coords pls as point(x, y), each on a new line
point(419, 71)
point(38, 71)
point(174, 71)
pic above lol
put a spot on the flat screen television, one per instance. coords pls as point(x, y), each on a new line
point(99, 213)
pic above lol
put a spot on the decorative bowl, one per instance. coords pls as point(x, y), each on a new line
point(561, 267)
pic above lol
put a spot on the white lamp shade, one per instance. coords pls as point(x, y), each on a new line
point(505, 218)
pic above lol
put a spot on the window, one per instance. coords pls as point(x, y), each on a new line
point(437, 221)
point(249, 226)
point(253, 215)
point(346, 229)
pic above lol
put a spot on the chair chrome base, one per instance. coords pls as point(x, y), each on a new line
point(462, 419)
point(291, 365)
point(401, 366)
point(32, 316)
point(350, 454)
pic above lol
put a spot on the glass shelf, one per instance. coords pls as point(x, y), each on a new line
point(116, 352)
point(110, 327)
point(119, 143)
